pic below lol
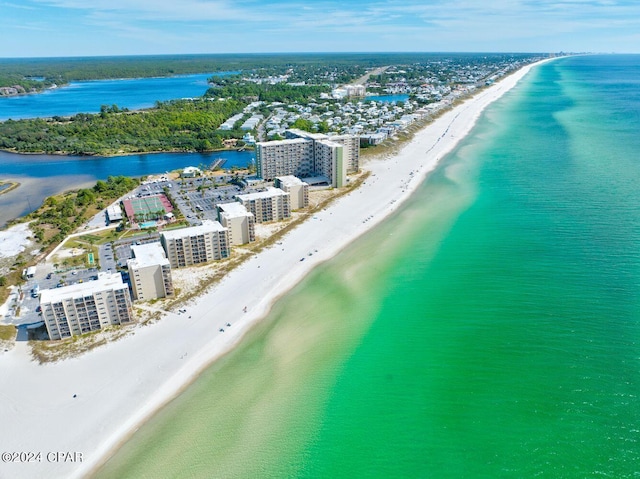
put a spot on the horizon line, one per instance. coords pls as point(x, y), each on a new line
point(228, 54)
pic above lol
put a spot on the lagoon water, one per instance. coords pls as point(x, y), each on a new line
point(388, 98)
point(88, 96)
point(489, 329)
point(41, 176)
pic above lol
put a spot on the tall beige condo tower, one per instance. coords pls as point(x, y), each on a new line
point(298, 190)
point(150, 272)
point(303, 154)
point(239, 222)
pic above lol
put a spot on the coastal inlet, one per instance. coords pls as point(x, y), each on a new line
point(41, 176)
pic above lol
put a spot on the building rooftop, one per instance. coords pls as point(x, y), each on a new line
point(316, 180)
point(290, 180)
point(292, 141)
point(270, 193)
point(114, 212)
point(150, 254)
point(207, 226)
point(307, 134)
point(105, 281)
point(330, 143)
point(191, 170)
point(234, 210)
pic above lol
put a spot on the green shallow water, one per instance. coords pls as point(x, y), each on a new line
point(489, 329)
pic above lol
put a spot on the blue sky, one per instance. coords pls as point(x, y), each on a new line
point(124, 27)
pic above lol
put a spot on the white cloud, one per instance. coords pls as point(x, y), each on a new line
point(167, 10)
point(378, 25)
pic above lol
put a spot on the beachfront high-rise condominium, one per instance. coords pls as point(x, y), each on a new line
point(239, 222)
point(329, 162)
point(298, 190)
point(284, 157)
point(196, 244)
point(305, 155)
point(270, 205)
point(350, 144)
point(351, 151)
point(150, 272)
point(83, 307)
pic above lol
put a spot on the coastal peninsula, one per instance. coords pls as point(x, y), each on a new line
point(180, 349)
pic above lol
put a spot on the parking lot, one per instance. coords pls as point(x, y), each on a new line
point(123, 251)
point(197, 198)
point(45, 279)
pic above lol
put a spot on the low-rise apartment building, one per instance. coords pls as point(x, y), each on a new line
point(270, 205)
point(80, 308)
point(196, 244)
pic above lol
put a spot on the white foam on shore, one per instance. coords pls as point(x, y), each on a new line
point(122, 384)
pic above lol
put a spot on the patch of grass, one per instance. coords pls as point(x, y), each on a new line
point(13, 277)
point(53, 351)
point(7, 333)
point(90, 238)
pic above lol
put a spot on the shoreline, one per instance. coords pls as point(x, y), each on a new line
point(117, 155)
point(12, 186)
point(110, 385)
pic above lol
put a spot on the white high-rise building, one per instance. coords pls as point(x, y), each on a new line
point(329, 162)
point(150, 272)
point(350, 143)
point(196, 244)
point(239, 222)
point(284, 157)
point(351, 150)
point(305, 154)
point(270, 205)
point(80, 308)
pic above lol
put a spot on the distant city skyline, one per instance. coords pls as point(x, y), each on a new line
point(33, 28)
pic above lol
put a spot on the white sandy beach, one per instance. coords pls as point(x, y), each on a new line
point(120, 385)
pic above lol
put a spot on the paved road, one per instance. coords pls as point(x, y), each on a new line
point(364, 78)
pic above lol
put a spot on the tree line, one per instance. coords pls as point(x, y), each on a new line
point(340, 67)
point(236, 87)
point(61, 215)
point(179, 125)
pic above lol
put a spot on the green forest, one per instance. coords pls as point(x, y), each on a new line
point(180, 125)
point(62, 214)
point(39, 73)
point(236, 87)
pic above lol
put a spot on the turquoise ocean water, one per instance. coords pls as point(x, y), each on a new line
point(489, 329)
